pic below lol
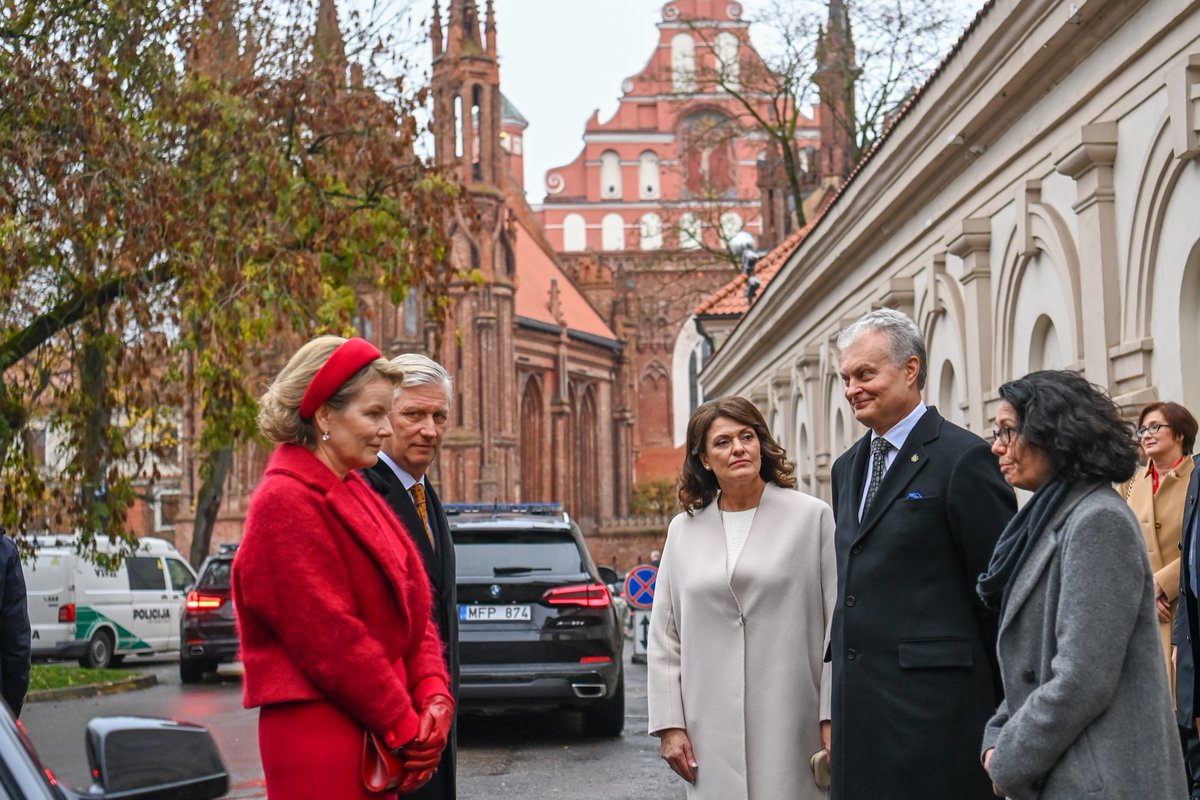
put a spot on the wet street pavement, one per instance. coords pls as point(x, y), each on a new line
point(526, 755)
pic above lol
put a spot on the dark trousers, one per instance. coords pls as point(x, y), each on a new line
point(1191, 760)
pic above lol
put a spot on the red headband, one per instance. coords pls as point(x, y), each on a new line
point(350, 356)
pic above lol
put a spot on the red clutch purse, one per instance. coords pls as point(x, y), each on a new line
point(382, 770)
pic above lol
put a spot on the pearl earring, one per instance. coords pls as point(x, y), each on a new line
point(325, 436)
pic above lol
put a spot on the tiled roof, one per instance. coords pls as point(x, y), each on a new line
point(730, 300)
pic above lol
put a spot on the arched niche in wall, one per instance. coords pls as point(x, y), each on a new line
point(707, 155)
point(612, 232)
point(690, 232)
point(651, 231)
point(534, 443)
point(610, 175)
point(683, 63)
point(728, 66)
point(574, 233)
point(649, 179)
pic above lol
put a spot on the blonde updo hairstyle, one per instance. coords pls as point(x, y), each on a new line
point(279, 408)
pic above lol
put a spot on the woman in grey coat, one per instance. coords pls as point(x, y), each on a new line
point(1087, 712)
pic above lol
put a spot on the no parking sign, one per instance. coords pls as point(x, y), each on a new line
point(639, 585)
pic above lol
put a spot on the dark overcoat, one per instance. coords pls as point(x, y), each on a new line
point(1187, 617)
point(439, 566)
point(913, 649)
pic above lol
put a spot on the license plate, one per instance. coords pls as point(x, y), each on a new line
point(508, 613)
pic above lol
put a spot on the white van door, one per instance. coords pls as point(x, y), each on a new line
point(151, 610)
point(50, 588)
point(181, 577)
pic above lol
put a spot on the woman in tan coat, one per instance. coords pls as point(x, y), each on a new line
point(738, 688)
point(1167, 432)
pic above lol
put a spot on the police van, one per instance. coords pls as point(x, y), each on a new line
point(82, 611)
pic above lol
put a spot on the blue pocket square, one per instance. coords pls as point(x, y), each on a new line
point(914, 496)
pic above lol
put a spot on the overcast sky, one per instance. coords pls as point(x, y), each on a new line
point(562, 59)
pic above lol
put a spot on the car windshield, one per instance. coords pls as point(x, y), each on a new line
point(488, 553)
point(216, 576)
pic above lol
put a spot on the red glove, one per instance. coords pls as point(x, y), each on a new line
point(415, 780)
point(424, 752)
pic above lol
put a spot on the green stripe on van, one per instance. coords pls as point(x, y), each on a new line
point(88, 619)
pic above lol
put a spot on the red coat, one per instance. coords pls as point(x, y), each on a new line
point(332, 599)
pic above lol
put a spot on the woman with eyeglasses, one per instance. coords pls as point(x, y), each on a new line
point(1087, 710)
point(1166, 432)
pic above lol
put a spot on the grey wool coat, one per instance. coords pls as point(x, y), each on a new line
point(1087, 710)
point(738, 662)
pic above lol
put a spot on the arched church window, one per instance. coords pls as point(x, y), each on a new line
point(612, 232)
point(651, 232)
point(574, 233)
point(683, 63)
point(648, 180)
point(610, 175)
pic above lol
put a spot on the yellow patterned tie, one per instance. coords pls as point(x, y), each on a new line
point(418, 495)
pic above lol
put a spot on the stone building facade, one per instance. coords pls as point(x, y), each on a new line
point(1032, 206)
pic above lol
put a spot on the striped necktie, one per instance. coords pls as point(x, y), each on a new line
point(879, 451)
point(418, 496)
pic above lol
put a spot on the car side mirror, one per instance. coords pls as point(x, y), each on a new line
point(137, 757)
point(607, 574)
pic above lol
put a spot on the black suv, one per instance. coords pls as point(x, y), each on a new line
point(537, 627)
point(209, 629)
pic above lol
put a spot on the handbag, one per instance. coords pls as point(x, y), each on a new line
point(382, 769)
point(820, 767)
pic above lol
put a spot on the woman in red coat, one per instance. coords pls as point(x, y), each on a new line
point(334, 608)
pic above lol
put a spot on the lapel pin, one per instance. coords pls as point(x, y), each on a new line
point(915, 458)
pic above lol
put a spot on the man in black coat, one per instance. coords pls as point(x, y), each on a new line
point(1187, 633)
point(419, 415)
point(14, 627)
point(919, 504)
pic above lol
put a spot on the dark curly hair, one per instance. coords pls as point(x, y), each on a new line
point(1075, 424)
point(1179, 418)
point(697, 485)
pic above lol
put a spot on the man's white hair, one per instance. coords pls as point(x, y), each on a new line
point(421, 370)
point(905, 339)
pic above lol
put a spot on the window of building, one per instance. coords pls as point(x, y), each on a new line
point(610, 175)
point(727, 59)
point(648, 175)
point(689, 232)
point(652, 232)
point(683, 63)
point(612, 232)
point(166, 510)
point(574, 233)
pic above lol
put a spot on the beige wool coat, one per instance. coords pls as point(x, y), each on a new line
point(739, 662)
point(1161, 519)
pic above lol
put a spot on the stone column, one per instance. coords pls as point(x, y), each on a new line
point(1089, 161)
point(973, 246)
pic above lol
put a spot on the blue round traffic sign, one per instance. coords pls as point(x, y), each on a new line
point(639, 585)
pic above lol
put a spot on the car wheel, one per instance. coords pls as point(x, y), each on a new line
point(607, 718)
point(99, 653)
point(191, 670)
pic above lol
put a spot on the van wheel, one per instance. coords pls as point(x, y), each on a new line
point(99, 651)
point(607, 718)
point(191, 671)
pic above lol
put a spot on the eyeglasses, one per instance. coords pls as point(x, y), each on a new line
point(1153, 428)
point(1004, 435)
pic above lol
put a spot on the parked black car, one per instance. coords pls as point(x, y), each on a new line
point(209, 627)
point(538, 628)
point(131, 758)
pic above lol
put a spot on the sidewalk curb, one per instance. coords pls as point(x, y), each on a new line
point(92, 690)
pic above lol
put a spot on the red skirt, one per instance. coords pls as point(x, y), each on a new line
point(311, 751)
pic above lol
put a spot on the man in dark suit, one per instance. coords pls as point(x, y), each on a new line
point(919, 504)
point(419, 415)
point(1187, 633)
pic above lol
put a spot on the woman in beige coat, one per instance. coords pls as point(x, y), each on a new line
point(1167, 432)
point(738, 688)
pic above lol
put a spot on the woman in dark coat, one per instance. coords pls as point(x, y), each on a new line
point(1087, 711)
point(333, 603)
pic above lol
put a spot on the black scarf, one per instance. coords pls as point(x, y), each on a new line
point(1017, 541)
